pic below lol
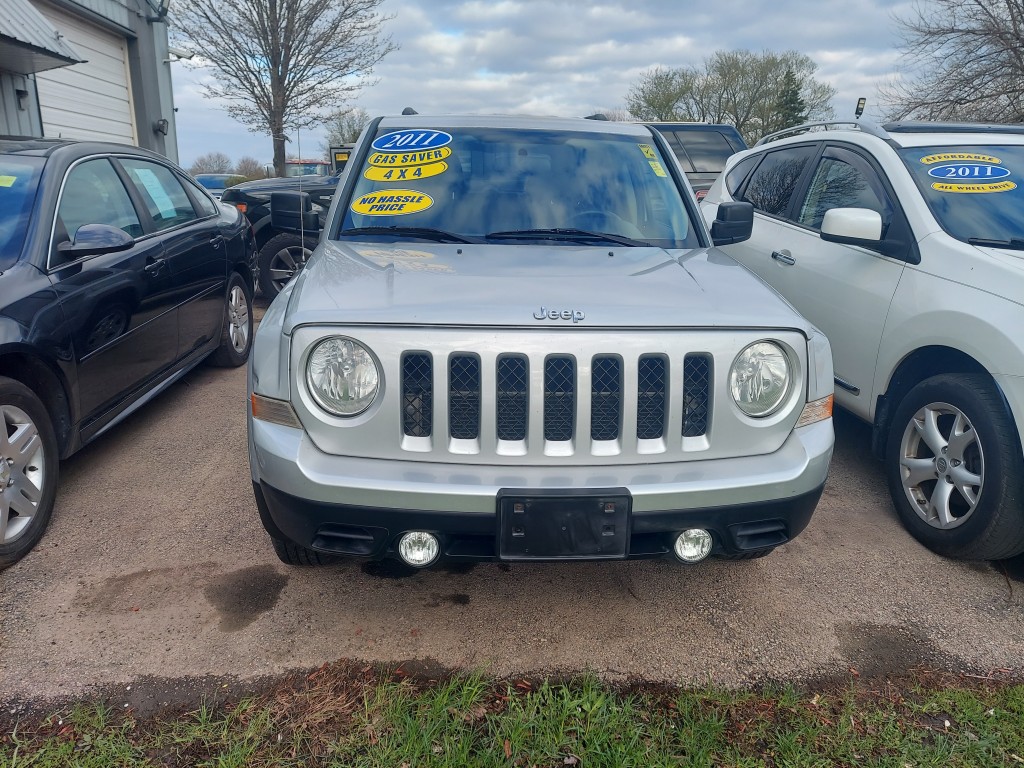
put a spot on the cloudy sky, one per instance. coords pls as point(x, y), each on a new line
point(568, 57)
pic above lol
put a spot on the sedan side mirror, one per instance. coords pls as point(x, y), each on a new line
point(852, 226)
point(95, 239)
point(293, 212)
point(733, 223)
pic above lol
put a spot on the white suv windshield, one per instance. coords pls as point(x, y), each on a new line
point(508, 185)
point(975, 192)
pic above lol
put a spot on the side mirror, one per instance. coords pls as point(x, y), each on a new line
point(95, 239)
point(852, 226)
point(733, 224)
point(293, 212)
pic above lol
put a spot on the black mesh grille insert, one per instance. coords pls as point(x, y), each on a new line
point(652, 394)
point(513, 398)
point(559, 398)
point(464, 397)
point(696, 394)
point(605, 398)
point(417, 394)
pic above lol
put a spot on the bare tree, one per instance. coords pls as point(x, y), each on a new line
point(963, 60)
point(741, 88)
point(344, 128)
point(249, 167)
point(283, 64)
point(211, 162)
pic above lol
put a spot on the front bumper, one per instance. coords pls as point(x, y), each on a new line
point(354, 506)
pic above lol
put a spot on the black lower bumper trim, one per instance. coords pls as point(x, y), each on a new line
point(371, 532)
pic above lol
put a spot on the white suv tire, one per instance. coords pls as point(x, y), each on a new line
point(955, 470)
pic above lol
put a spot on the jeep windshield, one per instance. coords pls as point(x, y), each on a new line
point(976, 192)
point(19, 177)
point(517, 186)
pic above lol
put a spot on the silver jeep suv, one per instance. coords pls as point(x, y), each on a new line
point(904, 243)
point(515, 340)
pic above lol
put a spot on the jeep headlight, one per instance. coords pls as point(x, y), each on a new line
point(342, 376)
point(760, 378)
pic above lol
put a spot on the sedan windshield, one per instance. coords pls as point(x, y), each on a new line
point(975, 192)
point(500, 185)
point(19, 177)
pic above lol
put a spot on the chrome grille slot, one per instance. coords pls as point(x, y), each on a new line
point(464, 397)
point(513, 400)
point(417, 394)
point(696, 394)
point(605, 398)
point(559, 398)
point(651, 399)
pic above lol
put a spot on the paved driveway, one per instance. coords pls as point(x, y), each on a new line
point(156, 565)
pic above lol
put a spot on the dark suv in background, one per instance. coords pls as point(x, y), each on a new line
point(702, 149)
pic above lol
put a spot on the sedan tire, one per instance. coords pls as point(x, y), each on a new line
point(28, 470)
point(955, 471)
point(236, 336)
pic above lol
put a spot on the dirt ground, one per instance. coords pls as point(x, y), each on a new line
point(156, 574)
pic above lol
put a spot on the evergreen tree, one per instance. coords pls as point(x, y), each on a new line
point(790, 105)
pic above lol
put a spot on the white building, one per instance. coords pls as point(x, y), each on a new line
point(87, 69)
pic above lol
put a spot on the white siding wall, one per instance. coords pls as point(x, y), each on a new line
point(90, 100)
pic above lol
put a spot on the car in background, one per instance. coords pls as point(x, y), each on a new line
point(904, 243)
point(118, 274)
point(515, 340)
point(281, 254)
point(702, 149)
point(216, 183)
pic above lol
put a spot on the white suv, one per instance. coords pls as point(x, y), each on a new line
point(905, 245)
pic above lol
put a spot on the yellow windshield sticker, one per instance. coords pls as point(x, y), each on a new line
point(648, 151)
point(946, 157)
point(7, 181)
point(405, 173)
point(398, 159)
point(657, 167)
point(999, 186)
point(392, 202)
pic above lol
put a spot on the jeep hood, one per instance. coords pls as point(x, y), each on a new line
point(508, 285)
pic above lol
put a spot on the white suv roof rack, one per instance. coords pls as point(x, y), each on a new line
point(830, 125)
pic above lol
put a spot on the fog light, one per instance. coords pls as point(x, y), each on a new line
point(693, 545)
point(418, 548)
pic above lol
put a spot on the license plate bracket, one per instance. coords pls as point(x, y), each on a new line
point(563, 525)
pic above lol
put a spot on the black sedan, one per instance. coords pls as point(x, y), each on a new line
point(118, 274)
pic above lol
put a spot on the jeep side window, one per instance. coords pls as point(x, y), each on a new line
point(841, 184)
point(773, 183)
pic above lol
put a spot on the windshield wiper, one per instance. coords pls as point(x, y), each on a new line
point(576, 235)
point(1015, 243)
point(426, 233)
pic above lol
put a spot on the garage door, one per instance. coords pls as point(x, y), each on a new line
point(90, 100)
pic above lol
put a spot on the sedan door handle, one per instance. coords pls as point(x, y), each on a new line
point(155, 266)
point(783, 257)
point(216, 241)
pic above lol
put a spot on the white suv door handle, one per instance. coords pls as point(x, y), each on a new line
point(783, 257)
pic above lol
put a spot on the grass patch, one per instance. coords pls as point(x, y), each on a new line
point(342, 715)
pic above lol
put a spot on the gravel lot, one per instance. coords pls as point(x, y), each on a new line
point(156, 573)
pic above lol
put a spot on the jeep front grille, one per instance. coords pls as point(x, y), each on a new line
point(560, 396)
point(696, 394)
point(513, 400)
point(464, 397)
point(417, 394)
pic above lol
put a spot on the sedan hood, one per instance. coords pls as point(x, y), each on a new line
point(522, 285)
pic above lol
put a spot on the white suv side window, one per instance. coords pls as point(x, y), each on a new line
point(772, 185)
point(839, 184)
